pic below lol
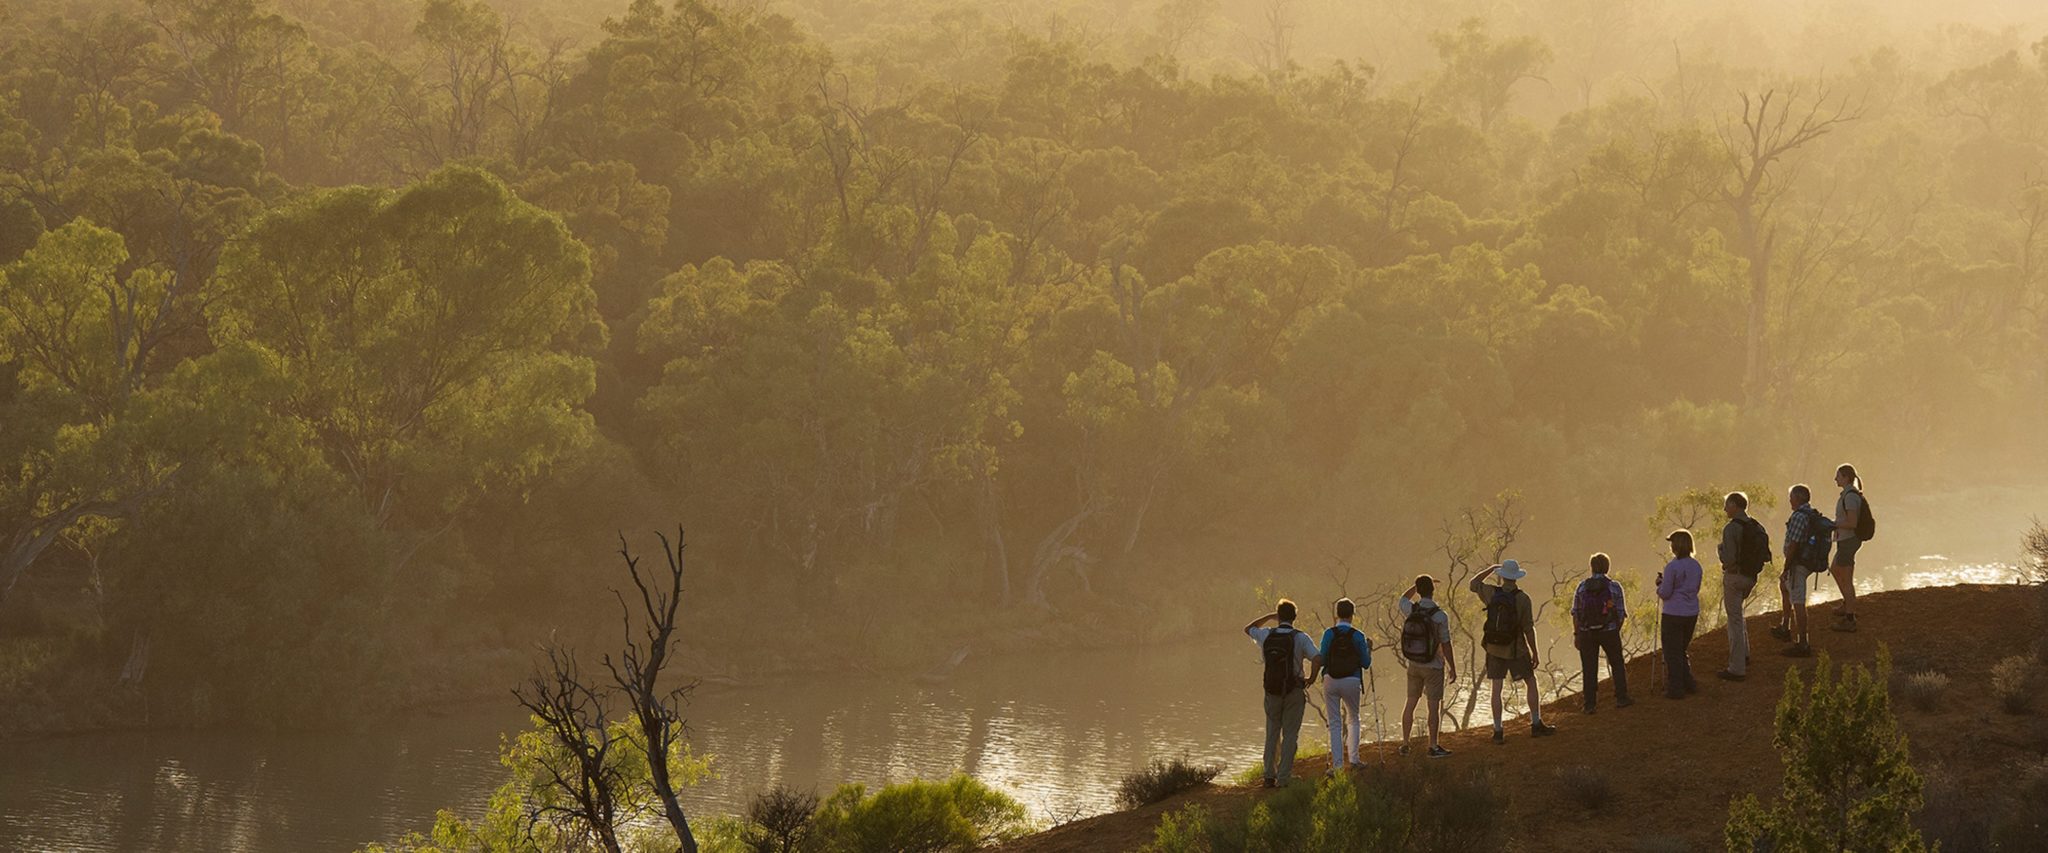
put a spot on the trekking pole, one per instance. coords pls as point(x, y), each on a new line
point(1657, 662)
point(1379, 721)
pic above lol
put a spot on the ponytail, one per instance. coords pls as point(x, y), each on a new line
point(1850, 470)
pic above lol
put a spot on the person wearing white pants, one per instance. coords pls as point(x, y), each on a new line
point(1345, 659)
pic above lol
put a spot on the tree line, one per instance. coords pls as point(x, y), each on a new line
point(332, 343)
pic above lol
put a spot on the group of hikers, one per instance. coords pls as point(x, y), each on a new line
point(1813, 544)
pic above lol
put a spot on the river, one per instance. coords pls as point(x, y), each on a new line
point(1056, 730)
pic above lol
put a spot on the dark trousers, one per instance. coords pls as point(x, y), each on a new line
point(1677, 667)
point(1591, 644)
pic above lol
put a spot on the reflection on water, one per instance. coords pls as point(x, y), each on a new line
point(1056, 730)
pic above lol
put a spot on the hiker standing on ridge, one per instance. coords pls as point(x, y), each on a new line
point(1745, 549)
point(1346, 659)
point(1679, 587)
point(1283, 650)
point(1854, 525)
point(1426, 652)
point(1807, 535)
point(1598, 610)
point(1510, 642)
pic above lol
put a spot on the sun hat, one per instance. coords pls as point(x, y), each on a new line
point(1511, 570)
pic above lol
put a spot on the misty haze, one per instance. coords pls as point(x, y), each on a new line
point(1038, 425)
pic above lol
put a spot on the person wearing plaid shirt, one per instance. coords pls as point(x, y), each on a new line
point(1806, 551)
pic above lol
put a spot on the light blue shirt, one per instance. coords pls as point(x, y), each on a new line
point(1680, 587)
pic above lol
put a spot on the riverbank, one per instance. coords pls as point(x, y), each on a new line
point(1674, 766)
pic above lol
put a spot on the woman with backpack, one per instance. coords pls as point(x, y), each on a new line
point(1597, 613)
point(1854, 525)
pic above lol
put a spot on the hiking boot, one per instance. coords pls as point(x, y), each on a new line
point(1845, 623)
point(1624, 702)
point(1404, 749)
point(1725, 675)
point(1781, 632)
point(1500, 736)
point(1589, 710)
point(1267, 783)
point(1439, 752)
point(1541, 730)
point(1799, 650)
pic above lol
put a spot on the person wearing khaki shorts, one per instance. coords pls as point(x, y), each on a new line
point(1425, 649)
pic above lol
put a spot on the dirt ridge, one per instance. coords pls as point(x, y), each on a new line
point(1674, 765)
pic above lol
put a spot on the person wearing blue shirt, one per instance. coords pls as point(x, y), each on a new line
point(1346, 657)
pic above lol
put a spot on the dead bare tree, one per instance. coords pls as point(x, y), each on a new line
point(589, 796)
point(637, 674)
point(1773, 126)
point(587, 791)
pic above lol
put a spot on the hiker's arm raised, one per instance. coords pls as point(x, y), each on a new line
point(1478, 583)
point(1260, 622)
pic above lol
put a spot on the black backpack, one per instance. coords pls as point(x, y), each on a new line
point(1345, 657)
point(1418, 635)
point(1756, 547)
point(1282, 672)
point(1866, 523)
point(1503, 619)
point(1813, 553)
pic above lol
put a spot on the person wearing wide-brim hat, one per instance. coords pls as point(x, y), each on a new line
point(1679, 587)
point(1510, 641)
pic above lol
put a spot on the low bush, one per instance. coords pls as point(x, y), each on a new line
point(1162, 779)
point(2012, 681)
point(1587, 786)
point(959, 814)
point(1184, 831)
point(1923, 690)
point(780, 820)
point(1382, 810)
point(1849, 783)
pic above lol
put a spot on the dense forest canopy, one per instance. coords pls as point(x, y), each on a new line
point(338, 338)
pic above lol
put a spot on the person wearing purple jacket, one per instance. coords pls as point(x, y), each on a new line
point(1679, 587)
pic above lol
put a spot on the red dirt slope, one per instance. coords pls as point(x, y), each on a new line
point(1675, 765)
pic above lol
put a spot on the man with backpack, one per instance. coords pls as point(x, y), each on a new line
point(1346, 661)
point(1597, 613)
point(1807, 538)
point(1745, 549)
point(1426, 652)
point(1510, 642)
point(1283, 650)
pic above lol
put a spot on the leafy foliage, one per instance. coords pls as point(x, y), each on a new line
point(1848, 782)
point(1161, 779)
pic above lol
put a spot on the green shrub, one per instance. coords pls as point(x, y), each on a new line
point(1848, 784)
point(959, 814)
point(2012, 681)
point(1280, 822)
point(1184, 831)
point(1381, 810)
point(1923, 690)
point(1162, 779)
